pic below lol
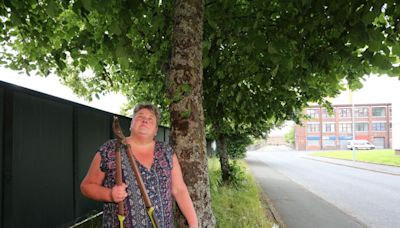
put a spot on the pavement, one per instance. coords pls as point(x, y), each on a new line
point(294, 206)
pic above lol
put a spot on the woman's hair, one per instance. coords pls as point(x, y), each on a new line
point(149, 107)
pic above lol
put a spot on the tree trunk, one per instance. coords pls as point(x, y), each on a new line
point(186, 108)
point(223, 158)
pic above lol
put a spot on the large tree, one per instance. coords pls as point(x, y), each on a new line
point(185, 87)
point(97, 46)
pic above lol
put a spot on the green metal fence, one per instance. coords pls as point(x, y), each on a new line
point(46, 146)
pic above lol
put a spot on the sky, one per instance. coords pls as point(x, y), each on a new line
point(376, 89)
point(52, 86)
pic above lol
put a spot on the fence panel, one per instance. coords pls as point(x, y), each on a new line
point(46, 147)
point(1, 151)
point(91, 130)
point(42, 170)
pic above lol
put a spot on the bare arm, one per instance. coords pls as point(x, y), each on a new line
point(92, 187)
point(181, 194)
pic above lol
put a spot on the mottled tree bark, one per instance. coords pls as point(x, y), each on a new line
point(187, 117)
point(223, 158)
point(221, 146)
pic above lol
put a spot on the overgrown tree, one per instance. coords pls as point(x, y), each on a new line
point(97, 46)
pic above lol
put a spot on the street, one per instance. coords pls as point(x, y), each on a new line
point(356, 197)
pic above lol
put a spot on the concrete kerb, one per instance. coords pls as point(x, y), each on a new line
point(341, 162)
point(271, 210)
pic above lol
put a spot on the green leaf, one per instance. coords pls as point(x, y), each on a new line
point(206, 62)
point(186, 114)
point(212, 23)
point(87, 4)
point(52, 9)
point(358, 34)
point(121, 51)
point(396, 49)
point(238, 97)
point(272, 49)
point(375, 40)
point(374, 45)
point(124, 62)
point(275, 71)
point(369, 17)
point(289, 65)
point(381, 62)
point(115, 29)
point(186, 88)
point(381, 19)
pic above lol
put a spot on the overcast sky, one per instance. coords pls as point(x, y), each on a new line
point(51, 85)
point(376, 89)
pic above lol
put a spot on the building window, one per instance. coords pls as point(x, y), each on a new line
point(328, 142)
point(345, 112)
point(313, 113)
point(378, 111)
point(312, 142)
point(344, 127)
point(326, 114)
point(312, 127)
point(361, 126)
point(379, 126)
point(328, 127)
point(361, 112)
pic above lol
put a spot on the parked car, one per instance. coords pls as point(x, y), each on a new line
point(360, 145)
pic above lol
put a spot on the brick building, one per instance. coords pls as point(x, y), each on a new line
point(325, 131)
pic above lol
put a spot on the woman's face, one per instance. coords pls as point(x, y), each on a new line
point(144, 124)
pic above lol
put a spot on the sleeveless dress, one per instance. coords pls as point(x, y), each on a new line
point(157, 181)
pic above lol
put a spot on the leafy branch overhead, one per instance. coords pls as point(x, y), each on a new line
point(285, 53)
point(94, 46)
point(267, 59)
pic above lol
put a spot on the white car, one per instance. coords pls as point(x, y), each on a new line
point(360, 144)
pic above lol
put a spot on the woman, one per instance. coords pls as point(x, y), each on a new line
point(160, 171)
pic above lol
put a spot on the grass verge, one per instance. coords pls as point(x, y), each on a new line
point(386, 157)
point(236, 205)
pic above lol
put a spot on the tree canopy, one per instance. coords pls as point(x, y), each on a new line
point(265, 60)
point(262, 60)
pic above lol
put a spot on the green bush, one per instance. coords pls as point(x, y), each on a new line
point(236, 145)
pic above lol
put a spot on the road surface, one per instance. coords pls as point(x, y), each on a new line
point(310, 193)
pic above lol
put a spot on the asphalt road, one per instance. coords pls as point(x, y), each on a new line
point(309, 193)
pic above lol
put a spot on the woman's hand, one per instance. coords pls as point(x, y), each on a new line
point(118, 193)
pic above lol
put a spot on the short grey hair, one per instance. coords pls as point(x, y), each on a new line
point(149, 106)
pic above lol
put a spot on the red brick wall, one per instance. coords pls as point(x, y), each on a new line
point(301, 131)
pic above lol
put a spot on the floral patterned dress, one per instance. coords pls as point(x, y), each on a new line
point(157, 181)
